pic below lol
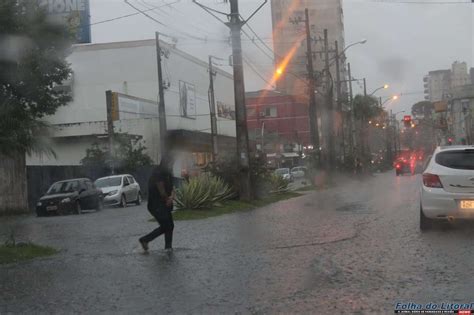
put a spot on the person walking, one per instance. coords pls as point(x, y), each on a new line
point(160, 203)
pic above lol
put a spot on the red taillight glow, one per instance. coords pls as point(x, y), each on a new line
point(432, 180)
point(397, 166)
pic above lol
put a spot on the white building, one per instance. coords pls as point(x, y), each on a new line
point(459, 74)
point(437, 85)
point(130, 68)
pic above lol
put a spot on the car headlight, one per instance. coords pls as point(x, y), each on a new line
point(66, 200)
point(39, 204)
point(113, 192)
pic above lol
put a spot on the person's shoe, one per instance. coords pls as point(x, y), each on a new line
point(144, 245)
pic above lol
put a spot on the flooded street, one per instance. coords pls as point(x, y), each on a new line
point(352, 249)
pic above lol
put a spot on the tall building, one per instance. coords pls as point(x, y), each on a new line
point(437, 85)
point(289, 39)
point(459, 74)
point(472, 75)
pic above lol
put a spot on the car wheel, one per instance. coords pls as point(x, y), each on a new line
point(41, 213)
point(100, 205)
point(425, 222)
point(139, 199)
point(78, 209)
point(123, 202)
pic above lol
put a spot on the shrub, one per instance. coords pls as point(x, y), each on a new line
point(278, 184)
point(203, 191)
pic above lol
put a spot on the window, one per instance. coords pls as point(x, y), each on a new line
point(88, 185)
point(462, 160)
point(131, 179)
point(271, 112)
point(125, 181)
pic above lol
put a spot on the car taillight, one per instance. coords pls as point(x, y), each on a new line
point(398, 166)
point(432, 180)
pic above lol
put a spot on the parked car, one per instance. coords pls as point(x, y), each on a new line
point(447, 192)
point(70, 196)
point(299, 172)
point(119, 190)
point(404, 165)
point(285, 173)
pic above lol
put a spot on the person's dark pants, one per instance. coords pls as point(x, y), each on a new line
point(165, 220)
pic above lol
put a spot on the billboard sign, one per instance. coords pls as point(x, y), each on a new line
point(225, 111)
point(72, 13)
point(130, 107)
point(187, 99)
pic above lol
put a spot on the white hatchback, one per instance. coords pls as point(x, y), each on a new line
point(118, 190)
point(447, 192)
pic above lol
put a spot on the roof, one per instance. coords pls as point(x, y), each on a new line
point(113, 176)
point(454, 147)
point(142, 43)
point(70, 180)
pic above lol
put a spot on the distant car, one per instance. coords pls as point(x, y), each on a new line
point(403, 166)
point(285, 173)
point(299, 172)
point(119, 190)
point(70, 196)
point(447, 192)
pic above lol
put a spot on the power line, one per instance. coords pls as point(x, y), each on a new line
point(251, 66)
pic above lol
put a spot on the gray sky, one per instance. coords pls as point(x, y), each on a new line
point(405, 41)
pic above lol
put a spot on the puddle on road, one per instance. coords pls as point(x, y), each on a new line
point(355, 208)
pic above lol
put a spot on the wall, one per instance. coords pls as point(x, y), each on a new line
point(13, 191)
point(291, 124)
point(130, 68)
point(70, 141)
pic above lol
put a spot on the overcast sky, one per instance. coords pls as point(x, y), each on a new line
point(404, 40)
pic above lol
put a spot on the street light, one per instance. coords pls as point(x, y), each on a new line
point(361, 42)
point(391, 98)
point(385, 86)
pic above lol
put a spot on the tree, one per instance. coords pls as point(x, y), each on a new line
point(423, 108)
point(129, 154)
point(366, 107)
point(33, 64)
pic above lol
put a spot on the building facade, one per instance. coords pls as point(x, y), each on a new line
point(437, 85)
point(459, 74)
point(130, 68)
point(460, 113)
point(289, 39)
point(278, 124)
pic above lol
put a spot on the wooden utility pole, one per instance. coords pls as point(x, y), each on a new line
point(235, 24)
point(212, 110)
point(365, 87)
point(161, 101)
point(313, 117)
point(338, 99)
point(330, 159)
point(110, 129)
point(352, 108)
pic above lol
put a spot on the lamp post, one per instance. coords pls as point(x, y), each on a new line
point(391, 98)
point(385, 86)
point(397, 130)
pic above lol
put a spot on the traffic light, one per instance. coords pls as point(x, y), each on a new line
point(407, 121)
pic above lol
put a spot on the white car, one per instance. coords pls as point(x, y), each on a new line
point(118, 190)
point(299, 171)
point(447, 192)
point(285, 173)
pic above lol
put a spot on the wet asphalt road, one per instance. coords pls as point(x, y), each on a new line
point(353, 249)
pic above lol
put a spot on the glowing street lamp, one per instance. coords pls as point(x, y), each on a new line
point(385, 86)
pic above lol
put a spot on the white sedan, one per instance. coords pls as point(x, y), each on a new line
point(119, 190)
point(447, 192)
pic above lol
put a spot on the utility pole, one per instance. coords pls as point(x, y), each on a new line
point(242, 136)
point(365, 87)
point(110, 129)
point(353, 133)
point(338, 97)
point(313, 115)
point(161, 101)
point(212, 111)
point(330, 135)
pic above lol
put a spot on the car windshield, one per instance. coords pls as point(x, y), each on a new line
point(108, 182)
point(462, 160)
point(282, 171)
point(63, 187)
